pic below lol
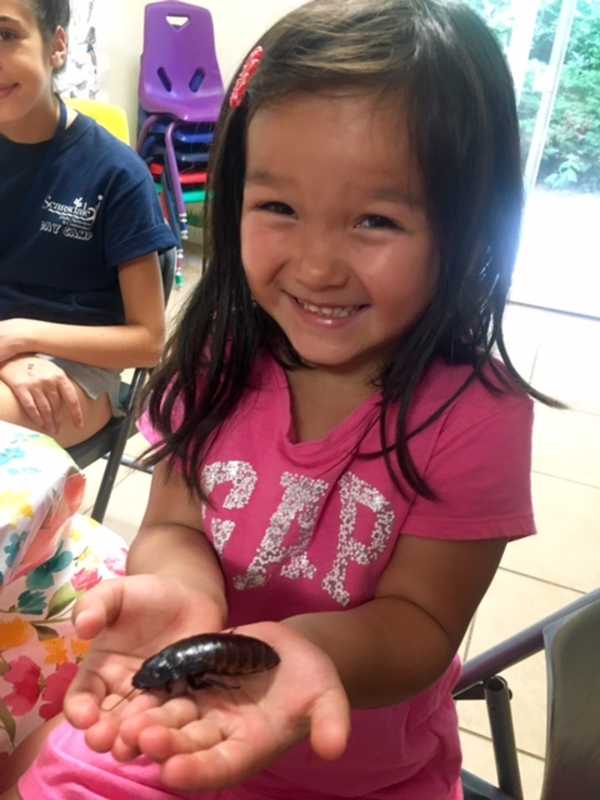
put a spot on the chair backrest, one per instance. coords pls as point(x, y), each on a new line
point(179, 73)
point(573, 731)
point(570, 639)
point(111, 117)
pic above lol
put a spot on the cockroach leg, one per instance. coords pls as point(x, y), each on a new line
point(202, 682)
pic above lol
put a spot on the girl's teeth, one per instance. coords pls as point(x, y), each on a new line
point(324, 311)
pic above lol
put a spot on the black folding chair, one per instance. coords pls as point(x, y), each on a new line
point(111, 440)
point(571, 641)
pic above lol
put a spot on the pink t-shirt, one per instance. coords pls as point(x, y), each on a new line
point(310, 526)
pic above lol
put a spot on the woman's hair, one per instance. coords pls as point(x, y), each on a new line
point(51, 14)
point(437, 61)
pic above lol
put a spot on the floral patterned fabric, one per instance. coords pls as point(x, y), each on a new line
point(49, 556)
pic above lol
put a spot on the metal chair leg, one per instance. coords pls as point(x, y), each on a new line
point(110, 474)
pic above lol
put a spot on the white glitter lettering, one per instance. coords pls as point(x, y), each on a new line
point(355, 492)
point(300, 501)
point(243, 477)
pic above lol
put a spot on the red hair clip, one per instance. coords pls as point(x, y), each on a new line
point(249, 70)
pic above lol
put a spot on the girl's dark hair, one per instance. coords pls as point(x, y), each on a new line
point(439, 62)
point(51, 14)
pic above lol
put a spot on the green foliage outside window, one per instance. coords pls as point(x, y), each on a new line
point(572, 153)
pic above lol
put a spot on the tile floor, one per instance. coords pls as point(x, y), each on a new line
point(539, 575)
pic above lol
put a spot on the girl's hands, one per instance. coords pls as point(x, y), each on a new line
point(210, 738)
point(213, 738)
point(129, 619)
point(42, 390)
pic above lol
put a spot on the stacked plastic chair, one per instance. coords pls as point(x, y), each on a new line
point(180, 97)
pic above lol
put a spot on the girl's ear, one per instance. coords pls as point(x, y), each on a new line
point(58, 54)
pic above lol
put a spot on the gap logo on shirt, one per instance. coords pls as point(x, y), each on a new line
point(285, 545)
point(73, 221)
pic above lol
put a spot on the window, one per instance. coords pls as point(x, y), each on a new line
point(553, 47)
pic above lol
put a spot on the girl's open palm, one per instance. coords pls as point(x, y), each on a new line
point(129, 620)
point(213, 738)
point(209, 738)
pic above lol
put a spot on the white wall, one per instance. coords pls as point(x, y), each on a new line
point(238, 23)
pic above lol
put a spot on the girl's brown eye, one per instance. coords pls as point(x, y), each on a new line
point(374, 221)
point(277, 208)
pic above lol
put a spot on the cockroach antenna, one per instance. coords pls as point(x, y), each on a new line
point(118, 703)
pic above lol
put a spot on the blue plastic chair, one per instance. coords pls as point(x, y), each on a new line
point(188, 133)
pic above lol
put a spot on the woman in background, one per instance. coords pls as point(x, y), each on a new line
point(80, 287)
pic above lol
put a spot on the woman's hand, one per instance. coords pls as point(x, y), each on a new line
point(129, 620)
point(218, 737)
point(13, 338)
point(43, 391)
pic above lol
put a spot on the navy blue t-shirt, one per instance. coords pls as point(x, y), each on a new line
point(66, 226)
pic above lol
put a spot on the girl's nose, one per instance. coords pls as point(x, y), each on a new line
point(320, 262)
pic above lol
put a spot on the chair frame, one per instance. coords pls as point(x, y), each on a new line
point(480, 680)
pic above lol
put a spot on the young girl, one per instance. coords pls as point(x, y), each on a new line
point(339, 460)
point(80, 291)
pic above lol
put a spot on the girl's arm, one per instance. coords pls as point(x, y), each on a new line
point(138, 343)
point(396, 645)
point(170, 542)
point(380, 653)
point(174, 589)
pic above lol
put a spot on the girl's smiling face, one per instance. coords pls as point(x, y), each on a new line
point(27, 64)
point(336, 244)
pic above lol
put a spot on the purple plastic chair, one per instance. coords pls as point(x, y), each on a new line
point(179, 76)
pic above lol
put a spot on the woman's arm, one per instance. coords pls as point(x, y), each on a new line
point(401, 642)
point(138, 343)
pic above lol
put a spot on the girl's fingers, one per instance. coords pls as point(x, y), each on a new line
point(330, 724)
point(173, 714)
point(138, 704)
point(121, 751)
point(196, 772)
point(98, 608)
point(102, 681)
point(144, 605)
point(102, 736)
point(160, 743)
point(82, 702)
point(101, 719)
point(224, 764)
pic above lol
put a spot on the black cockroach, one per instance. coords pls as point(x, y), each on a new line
point(198, 658)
